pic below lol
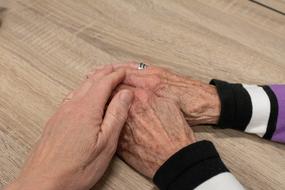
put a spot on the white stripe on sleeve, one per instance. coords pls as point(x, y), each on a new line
point(260, 110)
point(221, 181)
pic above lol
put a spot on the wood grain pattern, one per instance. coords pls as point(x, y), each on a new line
point(47, 46)
point(278, 5)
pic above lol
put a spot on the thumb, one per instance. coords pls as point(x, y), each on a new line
point(117, 114)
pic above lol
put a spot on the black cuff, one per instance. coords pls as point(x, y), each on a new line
point(236, 106)
point(190, 167)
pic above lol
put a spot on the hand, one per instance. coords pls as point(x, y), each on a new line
point(155, 130)
point(199, 101)
point(79, 141)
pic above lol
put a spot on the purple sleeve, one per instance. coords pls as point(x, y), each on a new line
point(279, 132)
point(254, 109)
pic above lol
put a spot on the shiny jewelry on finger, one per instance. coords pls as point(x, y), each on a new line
point(142, 66)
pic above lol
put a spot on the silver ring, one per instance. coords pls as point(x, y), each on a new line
point(142, 66)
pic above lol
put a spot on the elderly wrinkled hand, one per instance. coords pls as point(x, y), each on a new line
point(80, 140)
point(155, 130)
point(199, 101)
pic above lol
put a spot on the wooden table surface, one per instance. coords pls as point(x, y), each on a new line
point(47, 46)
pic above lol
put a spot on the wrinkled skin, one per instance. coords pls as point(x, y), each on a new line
point(80, 139)
point(199, 101)
point(155, 130)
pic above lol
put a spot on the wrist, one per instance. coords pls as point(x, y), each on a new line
point(212, 111)
point(206, 108)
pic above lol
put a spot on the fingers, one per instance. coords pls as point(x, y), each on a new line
point(101, 90)
point(116, 114)
point(130, 64)
point(124, 87)
point(143, 81)
point(83, 89)
point(138, 81)
point(111, 67)
point(100, 72)
point(92, 79)
point(148, 78)
point(132, 68)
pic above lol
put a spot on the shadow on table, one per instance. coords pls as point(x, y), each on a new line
point(2, 11)
point(231, 133)
point(104, 183)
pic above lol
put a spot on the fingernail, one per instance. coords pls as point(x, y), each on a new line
point(127, 96)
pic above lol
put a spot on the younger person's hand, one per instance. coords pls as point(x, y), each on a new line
point(80, 140)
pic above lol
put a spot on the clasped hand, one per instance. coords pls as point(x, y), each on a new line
point(81, 138)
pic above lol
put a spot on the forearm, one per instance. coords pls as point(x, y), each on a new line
point(253, 109)
point(197, 166)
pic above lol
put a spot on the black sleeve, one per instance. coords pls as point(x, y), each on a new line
point(236, 106)
point(190, 167)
